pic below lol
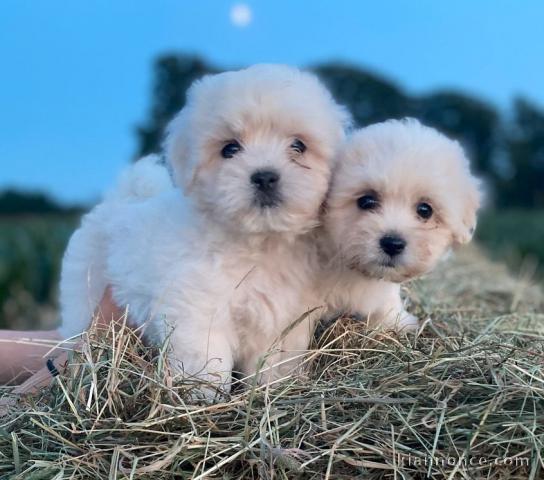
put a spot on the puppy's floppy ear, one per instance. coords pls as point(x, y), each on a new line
point(179, 144)
point(177, 147)
point(466, 226)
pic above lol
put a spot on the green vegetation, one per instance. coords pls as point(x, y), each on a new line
point(514, 236)
point(462, 399)
point(31, 249)
point(13, 202)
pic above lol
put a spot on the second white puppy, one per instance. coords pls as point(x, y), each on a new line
point(253, 151)
point(401, 196)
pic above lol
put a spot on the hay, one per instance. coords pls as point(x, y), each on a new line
point(464, 398)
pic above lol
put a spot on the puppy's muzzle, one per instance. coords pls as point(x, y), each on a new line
point(266, 186)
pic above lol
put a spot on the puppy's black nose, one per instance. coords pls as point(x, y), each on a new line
point(392, 244)
point(265, 180)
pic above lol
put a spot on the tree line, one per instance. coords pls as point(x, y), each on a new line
point(507, 149)
point(15, 203)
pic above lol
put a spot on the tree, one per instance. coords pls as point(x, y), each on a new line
point(369, 97)
point(13, 202)
point(525, 145)
point(173, 74)
point(464, 118)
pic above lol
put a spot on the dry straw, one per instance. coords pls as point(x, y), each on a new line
point(462, 399)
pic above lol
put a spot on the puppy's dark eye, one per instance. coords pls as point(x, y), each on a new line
point(424, 210)
point(231, 149)
point(298, 146)
point(368, 202)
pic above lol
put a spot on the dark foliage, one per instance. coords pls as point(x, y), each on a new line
point(13, 202)
point(173, 76)
point(507, 152)
point(525, 148)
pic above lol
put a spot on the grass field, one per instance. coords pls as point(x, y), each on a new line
point(30, 252)
point(462, 399)
point(515, 237)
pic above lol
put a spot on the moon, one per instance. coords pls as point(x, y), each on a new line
point(241, 15)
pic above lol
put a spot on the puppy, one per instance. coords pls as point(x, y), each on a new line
point(225, 271)
point(401, 196)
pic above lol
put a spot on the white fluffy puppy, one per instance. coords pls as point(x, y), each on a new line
point(253, 151)
point(402, 194)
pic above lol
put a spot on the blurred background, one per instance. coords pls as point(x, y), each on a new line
point(87, 87)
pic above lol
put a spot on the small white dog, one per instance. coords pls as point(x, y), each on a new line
point(253, 151)
point(402, 194)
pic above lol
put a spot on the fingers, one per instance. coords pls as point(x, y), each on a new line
point(22, 352)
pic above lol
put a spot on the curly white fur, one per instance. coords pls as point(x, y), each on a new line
point(401, 164)
point(225, 273)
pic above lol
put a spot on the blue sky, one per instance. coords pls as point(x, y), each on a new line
point(75, 75)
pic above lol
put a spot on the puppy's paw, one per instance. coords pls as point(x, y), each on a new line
point(407, 322)
point(400, 321)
